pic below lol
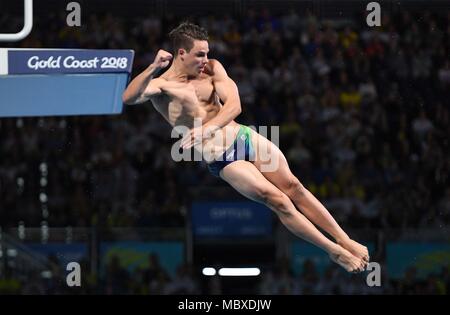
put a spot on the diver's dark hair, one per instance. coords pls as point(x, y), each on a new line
point(183, 36)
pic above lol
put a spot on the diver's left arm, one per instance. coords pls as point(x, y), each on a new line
point(228, 93)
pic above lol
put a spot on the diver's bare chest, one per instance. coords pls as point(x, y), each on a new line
point(199, 89)
point(203, 90)
point(192, 95)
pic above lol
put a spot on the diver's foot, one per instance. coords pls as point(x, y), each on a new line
point(355, 248)
point(347, 260)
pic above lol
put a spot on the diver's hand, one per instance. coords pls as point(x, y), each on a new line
point(196, 136)
point(162, 59)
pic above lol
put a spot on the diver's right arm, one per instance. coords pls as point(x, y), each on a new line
point(144, 85)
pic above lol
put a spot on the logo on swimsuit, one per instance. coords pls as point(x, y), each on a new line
point(230, 155)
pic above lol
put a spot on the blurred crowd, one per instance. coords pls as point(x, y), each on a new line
point(363, 116)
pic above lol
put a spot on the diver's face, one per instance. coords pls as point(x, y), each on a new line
point(196, 59)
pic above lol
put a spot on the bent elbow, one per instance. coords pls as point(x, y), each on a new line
point(126, 99)
point(238, 109)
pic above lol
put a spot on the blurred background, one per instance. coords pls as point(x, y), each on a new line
point(364, 123)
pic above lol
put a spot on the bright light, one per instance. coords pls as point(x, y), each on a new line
point(208, 271)
point(240, 272)
point(11, 252)
point(47, 274)
point(43, 197)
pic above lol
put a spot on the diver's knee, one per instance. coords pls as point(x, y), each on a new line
point(279, 203)
point(293, 187)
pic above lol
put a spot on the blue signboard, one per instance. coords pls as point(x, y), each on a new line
point(63, 82)
point(213, 219)
point(69, 61)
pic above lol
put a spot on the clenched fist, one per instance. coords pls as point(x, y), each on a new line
point(162, 59)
